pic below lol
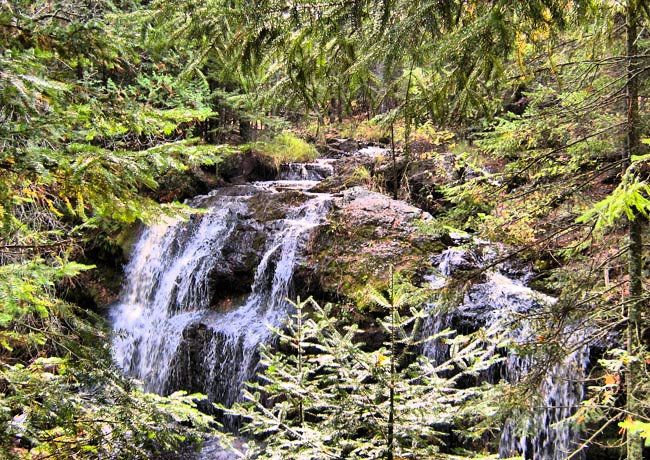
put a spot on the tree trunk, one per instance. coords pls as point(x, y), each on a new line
point(80, 69)
point(339, 108)
point(245, 130)
point(393, 158)
point(331, 111)
point(635, 252)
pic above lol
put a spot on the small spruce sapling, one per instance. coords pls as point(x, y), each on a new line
point(324, 395)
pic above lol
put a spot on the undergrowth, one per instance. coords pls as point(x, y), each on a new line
point(285, 147)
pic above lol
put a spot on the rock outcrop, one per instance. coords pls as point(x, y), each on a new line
point(366, 234)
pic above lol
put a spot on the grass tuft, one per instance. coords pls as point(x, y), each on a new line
point(286, 147)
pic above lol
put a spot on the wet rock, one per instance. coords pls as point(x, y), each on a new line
point(366, 234)
point(181, 185)
point(272, 206)
point(188, 365)
point(240, 168)
point(343, 147)
point(241, 253)
point(499, 300)
point(314, 171)
point(241, 256)
point(344, 144)
point(350, 172)
point(202, 294)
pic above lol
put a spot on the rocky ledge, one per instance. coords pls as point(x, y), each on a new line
point(366, 234)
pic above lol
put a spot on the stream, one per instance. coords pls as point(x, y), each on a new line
point(200, 296)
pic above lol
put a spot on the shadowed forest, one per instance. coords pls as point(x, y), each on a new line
point(324, 229)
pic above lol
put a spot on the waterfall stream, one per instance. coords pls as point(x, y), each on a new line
point(503, 299)
point(315, 171)
point(201, 295)
point(173, 330)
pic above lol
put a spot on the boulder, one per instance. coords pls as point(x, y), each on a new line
point(367, 233)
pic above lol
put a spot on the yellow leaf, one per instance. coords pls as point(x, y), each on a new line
point(625, 425)
point(52, 208)
point(612, 379)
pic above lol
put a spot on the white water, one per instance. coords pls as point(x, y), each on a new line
point(164, 322)
point(170, 336)
point(373, 151)
point(315, 171)
point(510, 305)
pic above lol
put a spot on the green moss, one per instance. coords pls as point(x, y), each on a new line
point(259, 241)
point(127, 238)
point(353, 261)
point(427, 247)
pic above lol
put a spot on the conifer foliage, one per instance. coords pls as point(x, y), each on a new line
point(78, 147)
point(100, 100)
point(325, 395)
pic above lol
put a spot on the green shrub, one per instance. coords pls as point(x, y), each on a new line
point(324, 395)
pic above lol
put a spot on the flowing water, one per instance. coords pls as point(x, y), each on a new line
point(173, 330)
point(194, 310)
point(506, 301)
point(315, 171)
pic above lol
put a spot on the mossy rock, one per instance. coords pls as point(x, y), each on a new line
point(247, 166)
point(274, 206)
point(366, 235)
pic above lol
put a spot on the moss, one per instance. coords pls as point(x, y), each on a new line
point(286, 147)
point(127, 238)
point(428, 246)
point(259, 242)
point(352, 260)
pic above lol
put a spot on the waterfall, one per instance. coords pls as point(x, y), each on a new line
point(177, 324)
point(201, 295)
point(315, 171)
point(505, 300)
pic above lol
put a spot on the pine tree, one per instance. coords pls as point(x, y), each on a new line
point(636, 228)
point(83, 136)
point(323, 394)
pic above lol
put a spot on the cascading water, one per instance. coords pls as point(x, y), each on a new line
point(175, 329)
point(201, 294)
point(315, 171)
point(502, 300)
